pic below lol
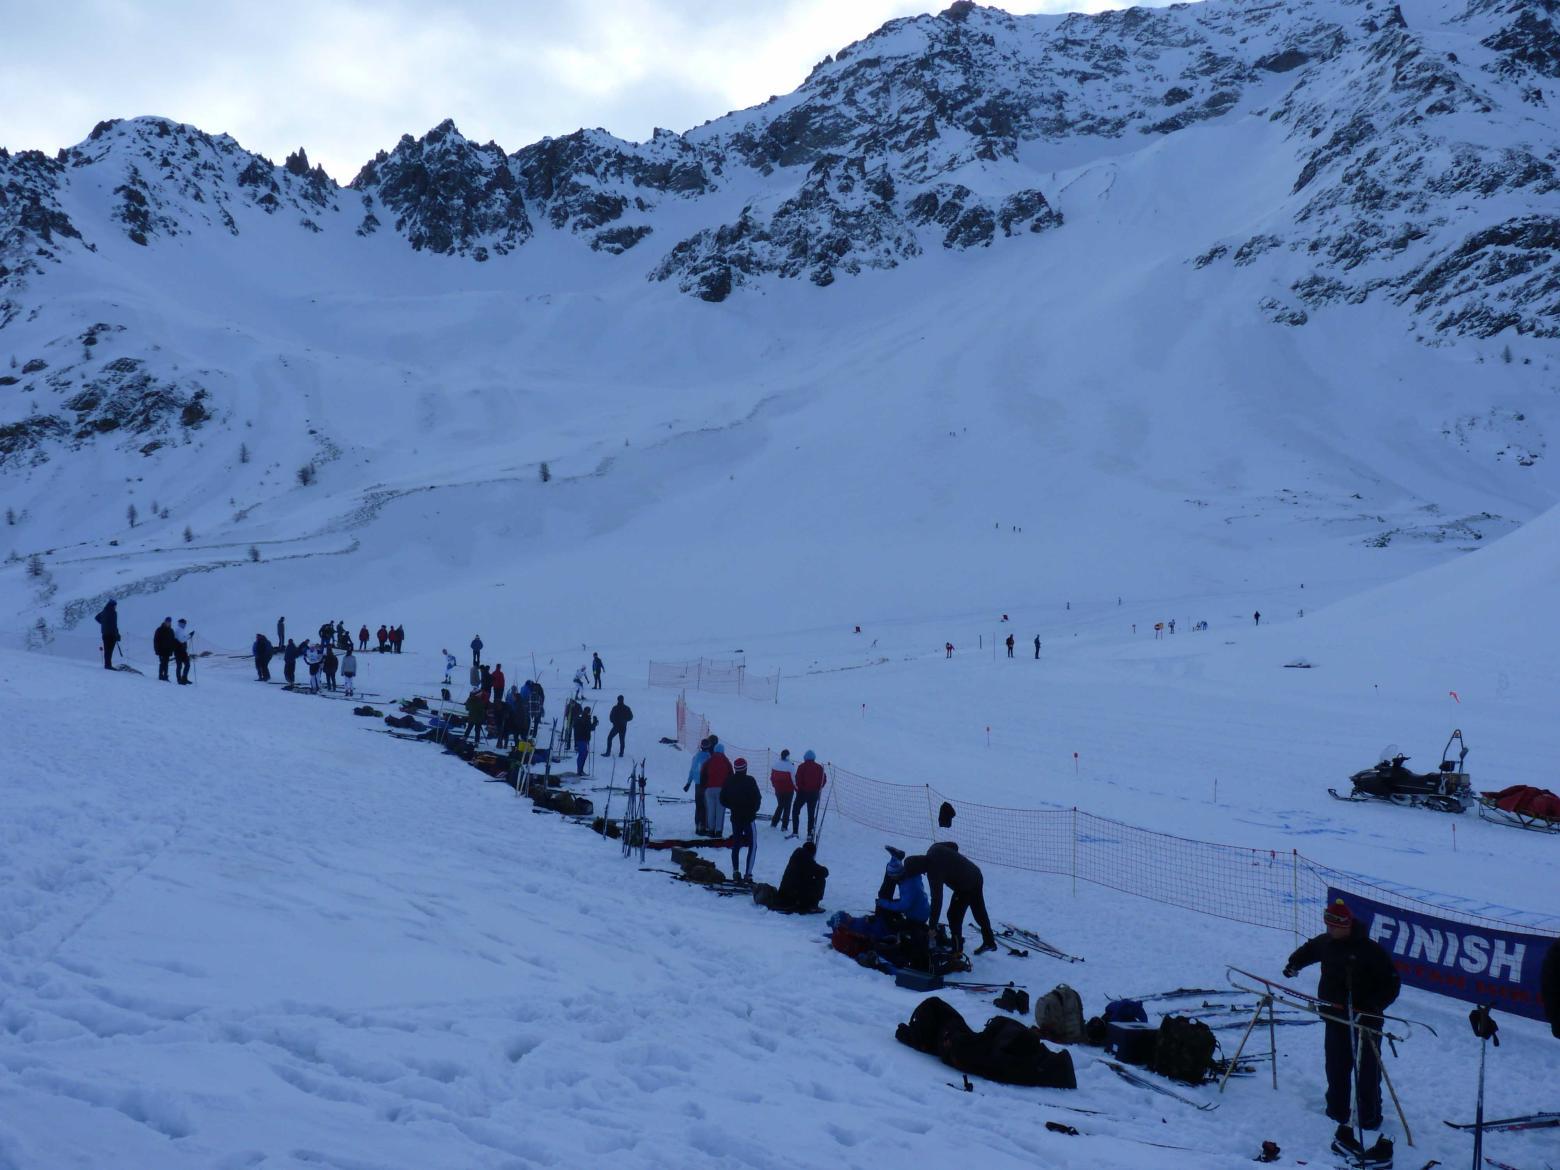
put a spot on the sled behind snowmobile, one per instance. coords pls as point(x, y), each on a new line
point(1447, 789)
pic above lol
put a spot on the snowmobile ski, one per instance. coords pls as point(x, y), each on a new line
point(1133, 1077)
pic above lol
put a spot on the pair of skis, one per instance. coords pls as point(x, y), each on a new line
point(1303, 1000)
point(1032, 941)
point(1525, 1121)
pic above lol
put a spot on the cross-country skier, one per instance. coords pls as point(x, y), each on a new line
point(782, 778)
point(108, 618)
point(619, 717)
point(944, 865)
point(740, 796)
point(181, 651)
point(349, 671)
point(810, 779)
point(580, 679)
point(596, 667)
point(1357, 976)
point(449, 665)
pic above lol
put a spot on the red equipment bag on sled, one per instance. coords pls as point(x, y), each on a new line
point(1529, 801)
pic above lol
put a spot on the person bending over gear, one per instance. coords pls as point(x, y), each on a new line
point(1357, 975)
point(944, 865)
point(740, 796)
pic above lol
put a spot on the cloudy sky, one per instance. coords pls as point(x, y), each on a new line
point(344, 78)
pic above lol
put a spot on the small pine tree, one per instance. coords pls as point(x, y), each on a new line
point(546, 473)
point(10, 517)
point(35, 565)
point(306, 474)
point(1505, 354)
point(254, 553)
point(164, 513)
point(188, 535)
point(243, 452)
point(131, 514)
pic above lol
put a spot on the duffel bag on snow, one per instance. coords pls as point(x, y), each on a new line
point(1008, 1051)
point(1184, 1050)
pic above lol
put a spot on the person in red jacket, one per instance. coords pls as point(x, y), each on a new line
point(782, 778)
point(363, 638)
point(713, 777)
point(497, 678)
point(809, 786)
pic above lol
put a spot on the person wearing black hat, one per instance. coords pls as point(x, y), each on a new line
point(1357, 977)
point(739, 795)
point(108, 618)
point(163, 645)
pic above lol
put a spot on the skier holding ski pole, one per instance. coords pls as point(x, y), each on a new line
point(1359, 980)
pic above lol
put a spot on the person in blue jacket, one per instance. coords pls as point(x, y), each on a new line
point(911, 901)
point(706, 745)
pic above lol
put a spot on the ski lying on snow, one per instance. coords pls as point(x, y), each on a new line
point(1035, 943)
point(1178, 993)
point(1133, 1077)
point(1524, 1121)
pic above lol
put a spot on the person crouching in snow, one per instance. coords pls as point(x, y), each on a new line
point(902, 898)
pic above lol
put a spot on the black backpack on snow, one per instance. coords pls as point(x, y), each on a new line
point(1184, 1050)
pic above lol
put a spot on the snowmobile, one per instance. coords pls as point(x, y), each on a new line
point(1444, 790)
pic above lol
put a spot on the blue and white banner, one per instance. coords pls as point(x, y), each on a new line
point(1473, 963)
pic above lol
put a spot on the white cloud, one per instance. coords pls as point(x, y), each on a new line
point(345, 78)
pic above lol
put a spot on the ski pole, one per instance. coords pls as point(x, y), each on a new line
point(1484, 1028)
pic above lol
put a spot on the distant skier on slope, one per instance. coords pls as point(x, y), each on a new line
point(108, 619)
point(449, 662)
point(329, 665)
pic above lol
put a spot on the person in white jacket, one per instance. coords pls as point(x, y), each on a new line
point(314, 655)
point(782, 778)
point(181, 651)
point(349, 670)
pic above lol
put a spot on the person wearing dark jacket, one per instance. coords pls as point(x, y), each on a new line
point(108, 618)
point(163, 647)
point(329, 664)
point(712, 777)
point(1549, 986)
point(290, 656)
point(584, 723)
point(619, 718)
point(476, 651)
point(801, 889)
point(536, 707)
point(944, 865)
point(1358, 976)
point(262, 651)
point(363, 638)
point(739, 796)
point(476, 716)
point(281, 632)
point(596, 667)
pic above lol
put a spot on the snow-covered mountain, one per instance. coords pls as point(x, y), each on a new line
point(1189, 266)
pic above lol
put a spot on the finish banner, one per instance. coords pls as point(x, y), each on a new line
point(1473, 963)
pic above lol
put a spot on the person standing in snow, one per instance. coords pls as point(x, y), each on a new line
point(596, 667)
point(496, 682)
point(1256, 617)
point(1010, 645)
point(108, 619)
point(397, 636)
point(314, 659)
point(619, 717)
point(181, 652)
point(696, 781)
point(329, 664)
point(1357, 975)
point(262, 650)
point(584, 724)
point(476, 650)
point(944, 865)
point(281, 632)
point(713, 776)
point(163, 647)
point(580, 678)
point(810, 780)
point(476, 715)
point(947, 649)
point(782, 778)
point(1037, 647)
point(290, 655)
point(740, 796)
point(1549, 987)
point(536, 707)
point(349, 671)
point(449, 665)
point(363, 641)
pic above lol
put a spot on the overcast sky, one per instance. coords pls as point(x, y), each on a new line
point(344, 78)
